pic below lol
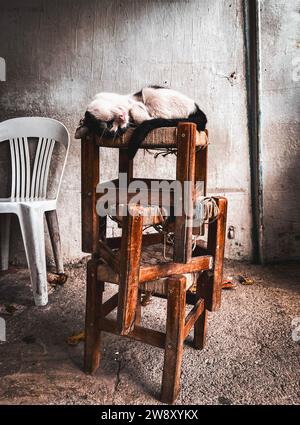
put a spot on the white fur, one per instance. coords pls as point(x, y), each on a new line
point(167, 103)
point(157, 103)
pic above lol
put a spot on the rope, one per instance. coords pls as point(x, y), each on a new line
point(206, 211)
point(170, 151)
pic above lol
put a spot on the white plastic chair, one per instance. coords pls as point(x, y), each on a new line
point(29, 198)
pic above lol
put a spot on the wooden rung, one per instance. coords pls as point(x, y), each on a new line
point(149, 273)
point(112, 258)
point(193, 315)
point(110, 305)
point(153, 272)
point(148, 336)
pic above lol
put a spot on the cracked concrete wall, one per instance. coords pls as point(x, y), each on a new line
point(280, 128)
point(60, 53)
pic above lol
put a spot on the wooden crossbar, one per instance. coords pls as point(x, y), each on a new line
point(193, 315)
point(153, 272)
point(139, 333)
point(112, 258)
point(110, 305)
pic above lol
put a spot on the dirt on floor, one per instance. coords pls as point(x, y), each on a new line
point(252, 354)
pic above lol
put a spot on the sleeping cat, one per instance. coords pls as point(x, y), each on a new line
point(110, 114)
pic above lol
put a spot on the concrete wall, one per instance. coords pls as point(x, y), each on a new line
point(60, 53)
point(280, 128)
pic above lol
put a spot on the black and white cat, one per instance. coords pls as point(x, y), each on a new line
point(110, 114)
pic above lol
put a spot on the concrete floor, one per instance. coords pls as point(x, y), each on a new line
point(250, 356)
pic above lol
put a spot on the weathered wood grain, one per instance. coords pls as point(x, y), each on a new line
point(94, 291)
point(89, 181)
point(185, 173)
point(131, 246)
point(174, 338)
point(211, 281)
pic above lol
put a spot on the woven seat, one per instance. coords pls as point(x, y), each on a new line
point(163, 137)
point(151, 255)
point(152, 214)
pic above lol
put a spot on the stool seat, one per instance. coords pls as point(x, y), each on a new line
point(164, 137)
point(152, 214)
point(151, 255)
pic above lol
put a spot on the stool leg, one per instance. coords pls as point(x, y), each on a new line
point(200, 326)
point(174, 338)
point(138, 311)
point(94, 293)
point(200, 329)
point(216, 246)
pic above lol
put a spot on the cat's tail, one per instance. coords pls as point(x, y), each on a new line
point(141, 132)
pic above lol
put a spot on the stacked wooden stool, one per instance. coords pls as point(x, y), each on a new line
point(191, 272)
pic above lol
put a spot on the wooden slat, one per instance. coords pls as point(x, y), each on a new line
point(112, 258)
point(193, 316)
point(148, 336)
point(185, 172)
point(109, 305)
point(129, 271)
point(89, 181)
point(158, 138)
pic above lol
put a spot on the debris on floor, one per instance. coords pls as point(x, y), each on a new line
point(76, 338)
point(11, 309)
point(57, 278)
point(228, 284)
point(231, 282)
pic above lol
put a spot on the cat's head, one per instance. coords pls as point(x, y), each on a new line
point(106, 116)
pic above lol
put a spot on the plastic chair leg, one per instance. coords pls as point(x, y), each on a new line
point(52, 222)
point(4, 240)
point(32, 227)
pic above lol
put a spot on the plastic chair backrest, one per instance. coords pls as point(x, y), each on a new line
point(29, 179)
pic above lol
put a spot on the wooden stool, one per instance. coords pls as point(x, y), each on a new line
point(125, 260)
